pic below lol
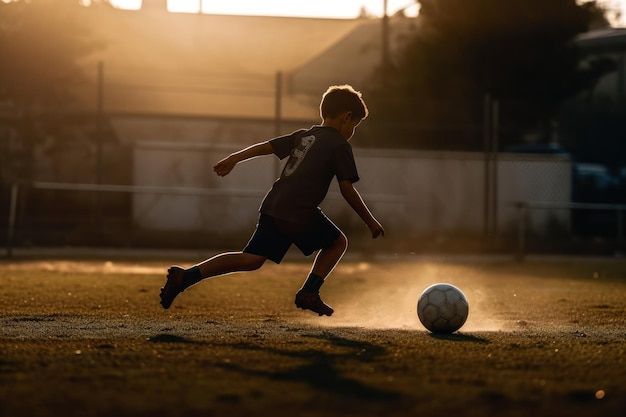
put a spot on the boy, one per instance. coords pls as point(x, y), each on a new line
point(289, 213)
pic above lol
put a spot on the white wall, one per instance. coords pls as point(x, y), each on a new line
point(411, 192)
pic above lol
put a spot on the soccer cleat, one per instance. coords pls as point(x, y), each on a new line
point(173, 286)
point(312, 301)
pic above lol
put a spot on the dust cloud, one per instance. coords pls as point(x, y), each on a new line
point(390, 302)
point(88, 267)
point(363, 294)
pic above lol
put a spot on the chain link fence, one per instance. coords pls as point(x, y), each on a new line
point(145, 181)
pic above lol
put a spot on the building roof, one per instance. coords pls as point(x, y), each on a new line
point(157, 62)
point(352, 59)
point(199, 64)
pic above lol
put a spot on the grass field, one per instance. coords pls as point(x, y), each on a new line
point(88, 338)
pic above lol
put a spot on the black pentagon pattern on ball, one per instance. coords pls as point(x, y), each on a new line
point(442, 308)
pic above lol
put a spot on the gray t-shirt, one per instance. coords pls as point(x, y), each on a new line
point(316, 156)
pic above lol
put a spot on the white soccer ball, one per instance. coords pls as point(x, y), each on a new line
point(442, 308)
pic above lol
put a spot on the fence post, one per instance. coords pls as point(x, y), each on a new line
point(495, 120)
point(521, 236)
point(486, 168)
point(620, 225)
point(278, 116)
point(12, 219)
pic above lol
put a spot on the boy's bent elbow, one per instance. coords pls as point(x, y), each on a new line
point(265, 148)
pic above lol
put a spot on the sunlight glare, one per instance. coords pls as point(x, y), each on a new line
point(345, 9)
point(126, 4)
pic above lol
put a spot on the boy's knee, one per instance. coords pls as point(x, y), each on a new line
point(253, 262)
point(342, 242)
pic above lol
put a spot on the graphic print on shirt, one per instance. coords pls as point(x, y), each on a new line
point(298, 154)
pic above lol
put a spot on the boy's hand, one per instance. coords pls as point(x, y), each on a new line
point(224, 166)
point(376, 228)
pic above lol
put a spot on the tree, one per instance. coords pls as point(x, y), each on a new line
point(519, 52)
point(41, 42)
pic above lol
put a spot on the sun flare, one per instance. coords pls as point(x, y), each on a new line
point(322, 8)
point(331, 9)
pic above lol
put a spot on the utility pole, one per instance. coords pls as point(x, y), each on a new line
point(278, 99)
point(385, 36)
point(99, 122)
point(99, 144)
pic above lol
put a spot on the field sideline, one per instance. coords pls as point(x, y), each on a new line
point(82, 337)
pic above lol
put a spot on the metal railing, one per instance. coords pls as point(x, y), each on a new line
point(147, 189)
point(523, 208)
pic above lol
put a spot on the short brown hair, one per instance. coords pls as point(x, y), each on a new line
point(339, 99)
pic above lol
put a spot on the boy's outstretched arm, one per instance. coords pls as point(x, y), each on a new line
point(352, 196)
point(227, 164)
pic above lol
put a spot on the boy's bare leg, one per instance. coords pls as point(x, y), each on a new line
point(228, 262)
point(325, 261)
point(328, 258)
point(179, 279)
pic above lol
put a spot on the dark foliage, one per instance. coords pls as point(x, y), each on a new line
point(518, 52)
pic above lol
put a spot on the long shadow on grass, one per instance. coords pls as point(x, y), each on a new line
point(322, 368)
point(459, 337)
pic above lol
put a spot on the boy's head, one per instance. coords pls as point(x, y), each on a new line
point(339, 99)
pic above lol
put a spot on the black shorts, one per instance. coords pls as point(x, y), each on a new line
point(273, 237)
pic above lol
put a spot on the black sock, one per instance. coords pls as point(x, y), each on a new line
point(192, 276)
point(313, 283)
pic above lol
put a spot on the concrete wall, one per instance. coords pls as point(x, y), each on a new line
point(412, 193)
